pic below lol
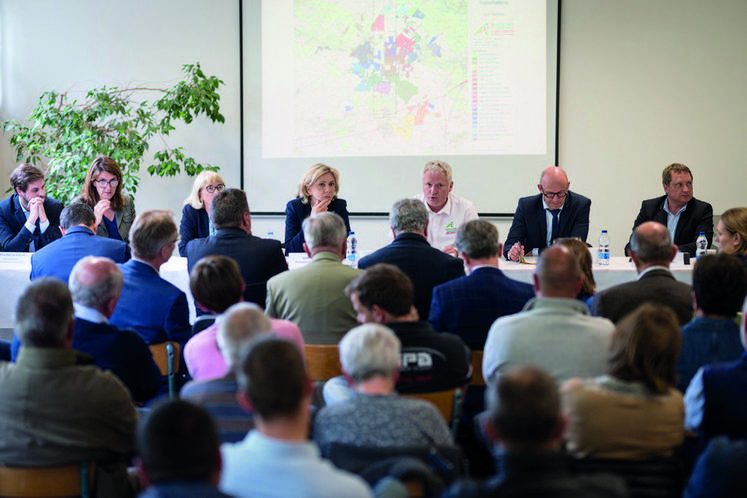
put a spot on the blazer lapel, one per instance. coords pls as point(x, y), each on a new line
point(565, 216)
point(684, 220)
point(19, 214)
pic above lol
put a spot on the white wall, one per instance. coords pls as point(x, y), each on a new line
point(642, 84)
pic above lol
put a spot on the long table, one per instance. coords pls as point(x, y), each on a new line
point(15, 269)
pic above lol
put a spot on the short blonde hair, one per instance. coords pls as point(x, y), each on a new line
point(204, 178)
point(310, 177)
point(437, 166)
point(735, 221)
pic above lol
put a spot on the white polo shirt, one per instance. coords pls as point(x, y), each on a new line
point(443, 225)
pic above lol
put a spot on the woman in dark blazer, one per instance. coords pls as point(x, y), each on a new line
point(195, 222)
point(317, 193)
point(102, 190)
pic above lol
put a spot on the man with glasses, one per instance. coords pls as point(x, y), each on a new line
point(683, 215)
point(553, 213)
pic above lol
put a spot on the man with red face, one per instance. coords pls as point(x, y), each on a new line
point(683, 215)
point(29, 219)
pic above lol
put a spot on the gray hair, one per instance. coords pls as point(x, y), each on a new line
point(408, 215)
point(43, 313)
point(77, 213)
point(478, 239)
point(324, 230)
point(241, 323)
point(369, 350)
point(151, 231)
point(652, 245)
point(94, 281)
point(437, 166)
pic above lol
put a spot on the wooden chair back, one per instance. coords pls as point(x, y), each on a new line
point(47, 482)
point(322, 361)
point(166, 356)
point(477, 378)
point(449, 403)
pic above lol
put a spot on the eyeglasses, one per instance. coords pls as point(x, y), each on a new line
point(103, 183)
point(550, 195)
point(211, 189)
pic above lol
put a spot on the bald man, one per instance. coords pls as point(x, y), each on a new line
point(553, 213)
point(554, 331)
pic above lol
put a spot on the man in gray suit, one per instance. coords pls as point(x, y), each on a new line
point(652, 250)
point(313, 297)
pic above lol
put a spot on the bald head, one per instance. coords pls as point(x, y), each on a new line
point(240, 324)
point(558, 274)
point(96, 282)
point(554, 186)
point(554, 174)
point(651, 244)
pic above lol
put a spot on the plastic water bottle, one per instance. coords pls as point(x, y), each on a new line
point(352, 252)
point(604, 249)
point(701, 244)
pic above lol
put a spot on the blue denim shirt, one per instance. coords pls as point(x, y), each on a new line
point(705, 341)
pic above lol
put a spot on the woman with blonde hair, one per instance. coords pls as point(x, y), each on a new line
point(195, 222)
point(731, 233)
point(317, 193)
point(102, 191)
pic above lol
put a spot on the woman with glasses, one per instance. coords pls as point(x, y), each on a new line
point(102, 190)
point(195, 222)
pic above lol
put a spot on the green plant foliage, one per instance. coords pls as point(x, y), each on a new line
point(116, 122)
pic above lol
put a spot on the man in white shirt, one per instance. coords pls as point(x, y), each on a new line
point(446, 211)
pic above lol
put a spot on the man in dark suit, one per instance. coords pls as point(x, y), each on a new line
point(683, 215)
point(29, 219)
point(426, 266)
point(259, 259)
point(150, 305)
point(652, 250)
point(468, 306)
point(553, 213)
point(78, 225)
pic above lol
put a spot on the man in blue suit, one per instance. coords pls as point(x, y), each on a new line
point(468, 306)
point(259, 259)
point(553, 213)
point(78, 225)
point(150, 305)
point(29, 219)
point(410, 251)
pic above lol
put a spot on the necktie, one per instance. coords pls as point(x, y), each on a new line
point(554, 232)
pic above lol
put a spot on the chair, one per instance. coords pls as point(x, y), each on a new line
point(47, 482)
point(166, 356)
point(449, 403)
point(322, 361)
point(477, 378)
point(656, 478)
point(202, 322)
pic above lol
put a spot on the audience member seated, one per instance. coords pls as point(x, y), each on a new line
point(77, 223)
point(555, 330)
point(468, 306)
point(150, 305)
point(430, 361)
point(29, 219)
point(526, 426)
point(580, 249)
point(634, 411)
point(102, 191)
point(446, 210)
point(258, 259)
point(651, 250)
point(313, 297)
point(731, 233)
point(683, 215)
point(276, 458)
point(376, 416)
point(317, 193)
point(426, 266)
point(716, 399)
point(719, 471)
point(239, 326)
point(216, 285)
point(196, 222)
point(540, 219)
point(719, 289)
point(179, 453)
point(56, 407)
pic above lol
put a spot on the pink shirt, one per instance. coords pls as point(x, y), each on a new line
point(204, 359)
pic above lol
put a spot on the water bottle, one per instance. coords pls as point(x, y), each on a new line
point(701, 244)
point(604, 249)
point(352, 252)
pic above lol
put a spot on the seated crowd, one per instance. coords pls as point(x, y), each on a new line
point(652, 370)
